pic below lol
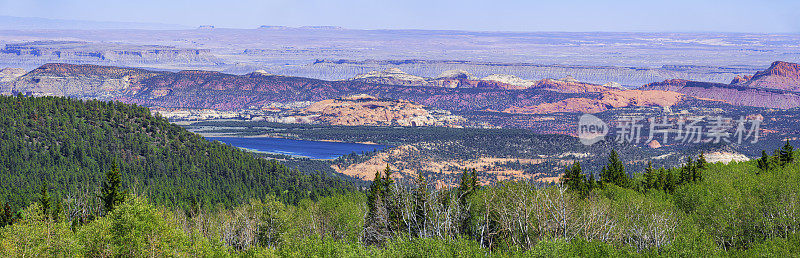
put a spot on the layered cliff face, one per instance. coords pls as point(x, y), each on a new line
point(447, 79)
point(363, 109)
point(569, 85)
point(780, 75)
point(7, 77)
point(81, 81)
point(463, 79)
point(33, 54)
point(515, 81)
point(731, 94)
point(391, 76)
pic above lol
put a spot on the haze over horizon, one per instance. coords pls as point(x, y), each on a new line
point(748, 16)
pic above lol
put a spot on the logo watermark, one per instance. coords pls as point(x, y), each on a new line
point(591, 129)
point(699, 129)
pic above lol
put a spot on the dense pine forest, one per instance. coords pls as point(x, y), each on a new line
point(67, 146)
point(141, 172)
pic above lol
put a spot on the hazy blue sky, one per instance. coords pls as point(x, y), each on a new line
point(490, 15)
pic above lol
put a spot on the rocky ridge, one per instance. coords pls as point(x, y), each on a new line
point(780, 75)
point(731, 94)
point(363, 109)
point(609, 100)
point(776, 87)
point(196, 89)
point(463, 79)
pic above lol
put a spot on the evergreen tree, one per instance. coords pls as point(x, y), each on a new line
point(763, 162)
point(786, 154)
point(474, 180)
point(572, 177)
point(463, 186)
point(468, 185)
point(377, 226)
point(614, 171)
point(58, 210)
point(387, 179)
point(380, 189)
point(662, 179)
point(111, 192)
point(391, 203)
point(686, 171)
point(465, 190)
point(670, 183)
point(697, 174)
point(649, 176)
point(374, 192)
point(576, 181)
point(44, 200)
point(701, 161)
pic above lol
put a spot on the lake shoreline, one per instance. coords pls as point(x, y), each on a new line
point(311, 149)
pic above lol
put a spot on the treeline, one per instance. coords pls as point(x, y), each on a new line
point(736, 209)
point(614, 172)
point(68, 145)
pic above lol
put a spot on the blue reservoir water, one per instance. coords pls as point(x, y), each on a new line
point(303, 148)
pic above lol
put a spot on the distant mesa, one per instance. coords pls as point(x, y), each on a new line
point(270, 27)
point(456, 74)
point(273, 27)
point(464, 79)
point(47, 51)
point(569, 85)
point(447, 79)
point(511, 80)
point(321, 28)
point(391, 76)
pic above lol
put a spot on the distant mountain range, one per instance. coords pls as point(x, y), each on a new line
point(214, 90)
point(454, 91)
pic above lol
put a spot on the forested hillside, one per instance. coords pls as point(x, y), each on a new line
point(68, 145)
point(699, 209)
